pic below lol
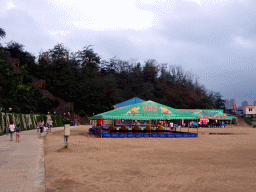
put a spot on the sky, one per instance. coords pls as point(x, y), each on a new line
point(213, 39)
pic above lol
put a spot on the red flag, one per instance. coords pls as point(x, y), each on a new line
point(234, 106)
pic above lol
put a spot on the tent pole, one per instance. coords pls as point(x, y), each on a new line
point(150, 127)
point(188, 127)
point(197, 128)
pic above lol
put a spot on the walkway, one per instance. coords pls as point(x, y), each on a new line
point(22, 164)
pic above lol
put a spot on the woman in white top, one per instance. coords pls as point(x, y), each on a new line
point(11, 129)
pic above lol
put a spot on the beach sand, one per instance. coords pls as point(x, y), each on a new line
point(207, 163)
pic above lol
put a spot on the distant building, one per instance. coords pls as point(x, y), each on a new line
point(244, 103)
point(254, 103)
point(249, 111)
point(230, 103)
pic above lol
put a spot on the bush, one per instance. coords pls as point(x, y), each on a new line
point(1, 121)
point(148, 128)
point(124, 128)
point(21, 122)
point(248, 120)
point(137, 128)
point(254, 126)
point(111, 127)
point(234, 121)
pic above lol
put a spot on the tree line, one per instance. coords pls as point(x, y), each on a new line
point(95, 84)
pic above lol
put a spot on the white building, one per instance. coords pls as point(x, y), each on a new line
point(249, 110)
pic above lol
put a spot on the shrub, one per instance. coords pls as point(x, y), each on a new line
point(124, 128)
point(137, 128)
point(148, 128)
point(1, 121)
point(111, 127)
point(234, 121)
point(21, 122)
point(160, 128)
point(248, 120)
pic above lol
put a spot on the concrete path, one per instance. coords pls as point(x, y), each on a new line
point(22, 164)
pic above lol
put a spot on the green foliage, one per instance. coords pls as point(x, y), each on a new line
point(41, 117)
point(53, 117)
point(248, 120)
point(2, 33)
point(95, 85)
point(10, 118)
point(66, 120)
point(59, 120)
point(21, 122)
point(32, 126)
point(1, 121)
point(234, 121)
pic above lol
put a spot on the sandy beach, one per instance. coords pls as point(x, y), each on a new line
point(207, 163)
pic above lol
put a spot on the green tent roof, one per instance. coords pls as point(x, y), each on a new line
point(148, 110)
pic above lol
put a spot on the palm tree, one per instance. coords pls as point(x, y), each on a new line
point(2, 33)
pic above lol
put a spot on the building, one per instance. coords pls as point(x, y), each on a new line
point(244, 103)
point(254, 103)
point(249, 111)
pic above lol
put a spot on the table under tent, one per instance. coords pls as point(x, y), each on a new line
point(148, 111)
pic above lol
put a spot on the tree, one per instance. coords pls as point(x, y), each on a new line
point(2, 33)
point(218, 102)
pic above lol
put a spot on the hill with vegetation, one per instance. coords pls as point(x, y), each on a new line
point(94, 85)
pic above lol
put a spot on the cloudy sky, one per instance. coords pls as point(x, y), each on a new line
point(213, 39)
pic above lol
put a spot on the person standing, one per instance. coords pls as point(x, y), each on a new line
point(41, 126)
point(50, 126)
point(11, 129)
point(171, 125)
point(17, 129)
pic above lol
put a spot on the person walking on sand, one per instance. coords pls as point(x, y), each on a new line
point(17, 129)
point(11, 129)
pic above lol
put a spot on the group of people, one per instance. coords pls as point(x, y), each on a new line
point(41, 126)
point(13, 129)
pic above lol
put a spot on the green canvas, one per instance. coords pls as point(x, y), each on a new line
point(148, 110)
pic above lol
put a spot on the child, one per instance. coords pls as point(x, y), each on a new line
point(11, 129)
point(17, 133)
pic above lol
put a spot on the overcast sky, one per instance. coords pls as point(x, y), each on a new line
point(213, 39)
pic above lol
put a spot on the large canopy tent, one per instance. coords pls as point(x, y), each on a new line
point(148, 110)
point(132, 101)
